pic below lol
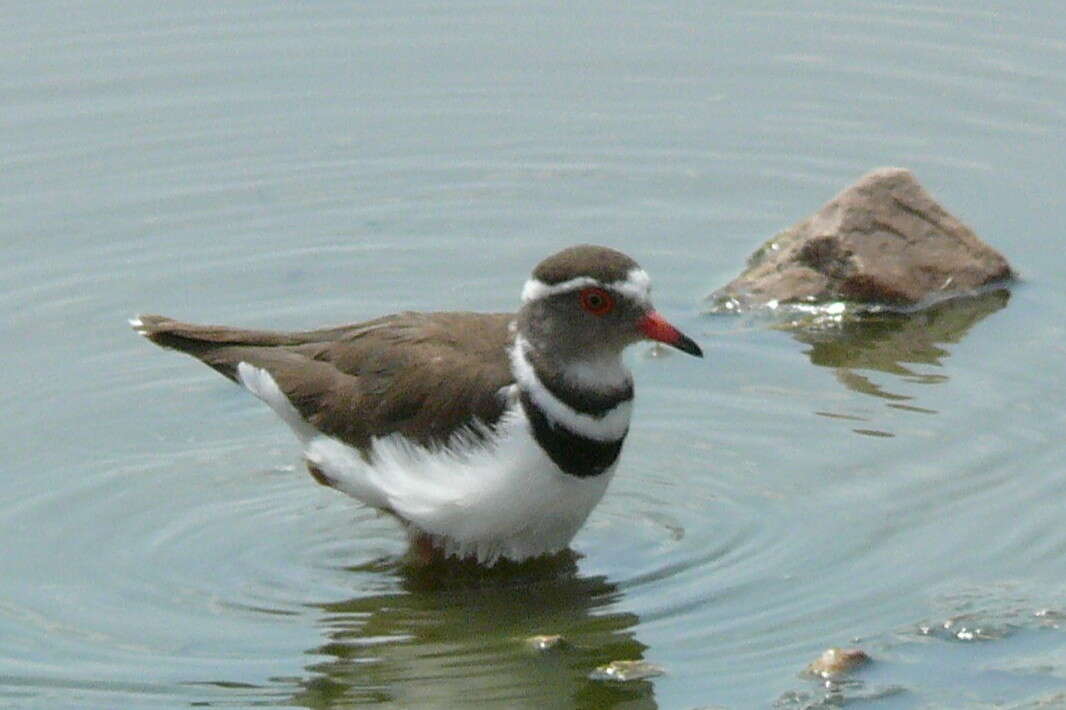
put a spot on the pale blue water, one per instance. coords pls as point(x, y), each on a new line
point(897, 487)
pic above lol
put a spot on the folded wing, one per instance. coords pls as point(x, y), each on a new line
point(423, 375)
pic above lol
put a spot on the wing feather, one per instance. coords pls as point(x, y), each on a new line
point(426, 376)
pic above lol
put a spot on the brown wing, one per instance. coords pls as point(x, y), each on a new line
point(423, 375)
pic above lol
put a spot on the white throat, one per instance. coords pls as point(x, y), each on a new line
point(605, 373)
point(589, 375)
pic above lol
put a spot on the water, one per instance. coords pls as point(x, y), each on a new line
point(895, 486)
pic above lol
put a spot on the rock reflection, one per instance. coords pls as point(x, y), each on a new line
point(453, 636)
point(894, 342)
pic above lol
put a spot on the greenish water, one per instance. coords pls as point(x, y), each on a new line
point(896, 485)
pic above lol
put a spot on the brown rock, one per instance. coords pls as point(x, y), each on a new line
point(837, 662)
point(883, 240)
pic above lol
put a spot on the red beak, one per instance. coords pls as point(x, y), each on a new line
point(656, 327)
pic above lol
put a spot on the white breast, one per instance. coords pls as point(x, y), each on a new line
point(506, 499)
point(498, 495)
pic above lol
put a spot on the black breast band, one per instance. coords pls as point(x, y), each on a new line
point(575, 454)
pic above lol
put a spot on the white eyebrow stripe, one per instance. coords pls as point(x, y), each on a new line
point(636, 285)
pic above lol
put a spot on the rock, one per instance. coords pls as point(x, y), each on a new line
point(626, 671)
point(544, 643)
point(837, 662)
point(884, 240)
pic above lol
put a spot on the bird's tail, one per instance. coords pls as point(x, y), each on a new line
point(221, 347)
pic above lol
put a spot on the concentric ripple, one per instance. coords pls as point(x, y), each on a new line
point(895, 485)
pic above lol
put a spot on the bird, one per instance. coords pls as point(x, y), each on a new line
point(489, 436)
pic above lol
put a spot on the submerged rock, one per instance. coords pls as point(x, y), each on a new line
point(837, 662)
point(543, 643)
point(884, 240)
point(626, 671)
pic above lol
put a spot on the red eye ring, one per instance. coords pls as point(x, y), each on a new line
point(596, 301)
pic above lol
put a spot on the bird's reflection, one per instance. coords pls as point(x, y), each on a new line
point(452, 635)
point(894, 343)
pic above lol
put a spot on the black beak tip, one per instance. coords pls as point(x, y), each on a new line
point(687, 345)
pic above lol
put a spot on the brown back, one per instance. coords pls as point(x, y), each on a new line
point(422, 375)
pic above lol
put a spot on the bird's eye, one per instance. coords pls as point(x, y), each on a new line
point(596, 301)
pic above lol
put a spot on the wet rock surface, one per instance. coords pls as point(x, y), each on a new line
point(883, 240)
point(545, 643)
point(837, 662)
point(626, 671)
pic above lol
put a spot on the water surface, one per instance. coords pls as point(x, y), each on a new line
point(895, 485)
